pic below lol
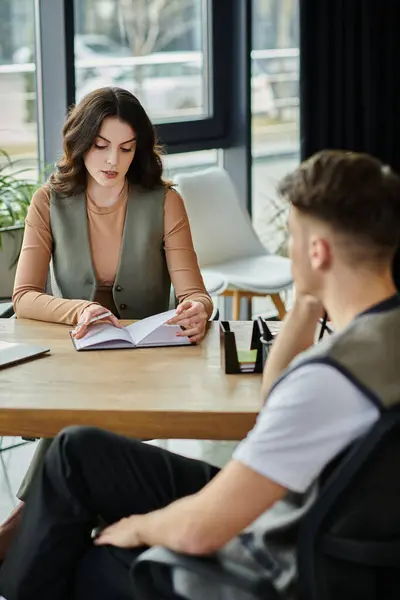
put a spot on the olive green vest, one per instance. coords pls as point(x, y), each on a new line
point(142, 284)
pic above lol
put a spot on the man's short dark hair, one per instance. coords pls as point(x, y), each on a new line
point(355, 194)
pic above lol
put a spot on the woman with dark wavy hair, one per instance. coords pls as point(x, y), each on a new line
point(114, 233)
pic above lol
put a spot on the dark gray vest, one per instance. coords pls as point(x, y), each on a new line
point(142, 285)
point(367, 353)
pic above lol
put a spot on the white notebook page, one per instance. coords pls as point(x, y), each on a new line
point(102, 334)
point(165, 335)
point(141, 329)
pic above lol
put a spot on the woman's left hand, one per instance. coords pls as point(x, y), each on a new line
point(193, 317)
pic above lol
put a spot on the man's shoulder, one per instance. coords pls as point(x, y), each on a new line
point(309, 379)
point(312, 414)
point(316, 395)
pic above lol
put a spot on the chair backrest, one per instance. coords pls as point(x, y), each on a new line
point(221, 227)
point(349, 543)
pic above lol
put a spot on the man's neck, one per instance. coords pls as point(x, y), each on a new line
point(348, 298)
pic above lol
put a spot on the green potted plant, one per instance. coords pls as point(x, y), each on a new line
point(16, 191)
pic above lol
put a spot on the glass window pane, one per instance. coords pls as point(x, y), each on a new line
point(155, 50)
point(275, 119)
point(275, 110)
point(18, 131)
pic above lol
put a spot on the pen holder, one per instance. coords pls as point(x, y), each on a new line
point(229, 354)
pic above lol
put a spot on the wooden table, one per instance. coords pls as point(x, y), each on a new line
point(179, 392)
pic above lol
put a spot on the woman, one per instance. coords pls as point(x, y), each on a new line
point(113, 232)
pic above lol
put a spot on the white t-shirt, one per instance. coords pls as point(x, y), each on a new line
point(313, 414)
point(310, 416)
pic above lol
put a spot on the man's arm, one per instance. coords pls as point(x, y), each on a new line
point(311, 415)
point(297, 334)
point(204, 522)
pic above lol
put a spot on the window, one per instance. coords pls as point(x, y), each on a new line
point(275, 112)
point(18, 132)
point(158, 51)
point(275, 117)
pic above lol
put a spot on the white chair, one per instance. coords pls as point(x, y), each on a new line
point(225, 242)
point(214, 282)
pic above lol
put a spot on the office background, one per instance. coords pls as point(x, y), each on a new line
point(253, 85)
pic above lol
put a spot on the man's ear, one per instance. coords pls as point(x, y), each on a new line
point(320, 253)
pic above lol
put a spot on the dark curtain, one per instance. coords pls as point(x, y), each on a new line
point(350, 78)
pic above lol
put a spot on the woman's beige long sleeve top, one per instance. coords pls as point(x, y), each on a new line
point(106, 226)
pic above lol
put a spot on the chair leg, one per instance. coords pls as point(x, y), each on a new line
point(249, 308)
point(277, 300)
point(7, 480)
point(236, 305)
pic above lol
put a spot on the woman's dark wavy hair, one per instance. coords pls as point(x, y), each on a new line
point(83, 125)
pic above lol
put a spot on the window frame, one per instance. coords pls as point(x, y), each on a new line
point(227, 128)
point(213, 131)
point(186, 135)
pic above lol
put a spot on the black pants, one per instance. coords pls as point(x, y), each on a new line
point(90, 474)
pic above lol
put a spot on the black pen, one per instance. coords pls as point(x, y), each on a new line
point(324, 326)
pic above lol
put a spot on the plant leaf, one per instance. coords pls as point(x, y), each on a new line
point(16, 191)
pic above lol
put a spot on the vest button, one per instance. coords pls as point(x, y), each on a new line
point(122, 306)
point(118, 288)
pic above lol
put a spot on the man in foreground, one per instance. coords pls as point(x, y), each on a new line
point(344, 226)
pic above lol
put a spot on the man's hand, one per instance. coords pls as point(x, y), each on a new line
point(297, 334)
point(123, 533)
point(204, 522)
point(309, 305)
point(193, 317)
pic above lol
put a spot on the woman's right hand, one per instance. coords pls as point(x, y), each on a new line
point(94, 310)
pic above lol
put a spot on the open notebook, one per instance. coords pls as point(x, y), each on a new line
point(146, 333)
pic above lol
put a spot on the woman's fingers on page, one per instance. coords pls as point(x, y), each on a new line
point(177, 319)
point(195, 339)
point(183, 323)
point(84, 327)
point(194, 321)
point(114, 321)
point(188, 332)
point(183, 306)
point(79, 331)
point(89, 313)
point(194, 329)
point(183, 315)
point(195, 334)
point(189, 322)
point(192, 316)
